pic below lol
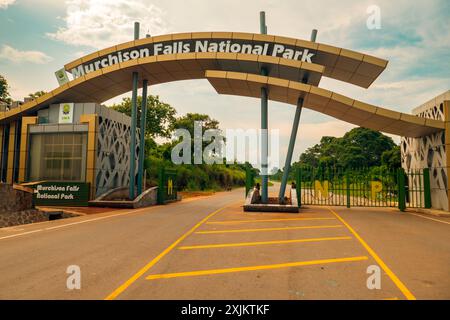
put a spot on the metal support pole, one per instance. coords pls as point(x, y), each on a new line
point(264, 123)
point(133, 123)
point(287, 164)
point(262, 22)
point(136, 30)
point(264, 145)
point(142, 138)
point(133, 134)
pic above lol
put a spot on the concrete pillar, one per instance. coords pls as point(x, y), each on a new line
point(26, 121)
point(446, 104)
point(2, 140)
point(11, 151)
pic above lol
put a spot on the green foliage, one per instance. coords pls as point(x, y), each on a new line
point(4, 90)
point(198, 177)
point(160, 115)
point(187, 122)
point(357, 148)
point(37, 94)
point(391, 158)
point(161, 122)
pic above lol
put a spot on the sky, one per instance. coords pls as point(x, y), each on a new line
point(37, 37)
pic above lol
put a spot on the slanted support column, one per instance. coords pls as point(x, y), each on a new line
point(287, 164)
point(264, 124)
point(298, 111)
point(142, 138)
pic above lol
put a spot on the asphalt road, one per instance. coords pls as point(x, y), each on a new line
point(208, 248)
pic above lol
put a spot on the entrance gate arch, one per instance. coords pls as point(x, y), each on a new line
point(263, 66)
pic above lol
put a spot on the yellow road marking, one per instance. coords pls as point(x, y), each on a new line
point(383, 265)
point(143, 270)
point(243, 244)
point(267, 229)
point(266, 220)
point(253, 268)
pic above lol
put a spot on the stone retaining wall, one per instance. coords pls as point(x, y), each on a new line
point(8, 219)
point(12, 200)
point(16, 207)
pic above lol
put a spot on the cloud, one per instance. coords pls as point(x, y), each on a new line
point(17, 56)
point(5, 3)
point(103, 23)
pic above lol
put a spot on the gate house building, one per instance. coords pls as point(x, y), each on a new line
point(92, 144)
point(431, 151)
point(66, 135)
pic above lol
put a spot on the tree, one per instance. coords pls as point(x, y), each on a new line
point(187, 122)
point(369, 143)
point(37, 94)
point(4, 91)
point(358, 147)
point(160, 115)
point(391, 158)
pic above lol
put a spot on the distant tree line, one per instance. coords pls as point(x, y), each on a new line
point(359, 148)
point(161, 122)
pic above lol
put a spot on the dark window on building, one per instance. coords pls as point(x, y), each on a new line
point(57, 157)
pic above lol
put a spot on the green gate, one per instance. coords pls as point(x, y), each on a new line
point(167, 187)
point(366, 187)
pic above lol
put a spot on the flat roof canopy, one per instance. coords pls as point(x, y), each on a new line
point(324, 101)
point(109, 82)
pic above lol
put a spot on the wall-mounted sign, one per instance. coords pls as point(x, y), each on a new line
point(61, 193)
point(61, 76)
point(195, 46)
point(167, 189)
point(65, 113)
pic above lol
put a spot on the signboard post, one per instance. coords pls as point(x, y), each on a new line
point(61, 76)
point(59, 193)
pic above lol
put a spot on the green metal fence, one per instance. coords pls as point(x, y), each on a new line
point(417, 189)
point(363, 187)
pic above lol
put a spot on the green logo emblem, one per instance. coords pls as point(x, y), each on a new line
point(66, 109)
